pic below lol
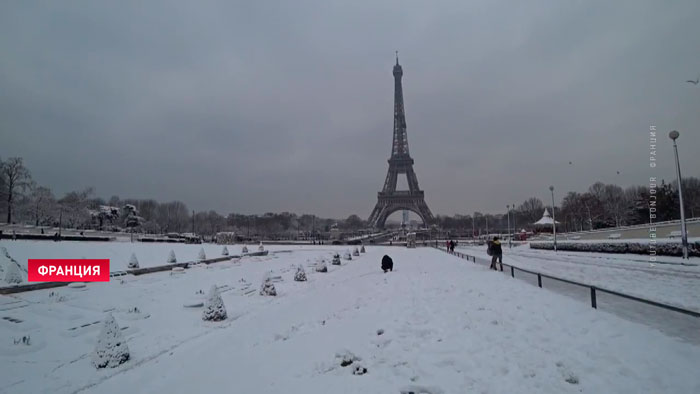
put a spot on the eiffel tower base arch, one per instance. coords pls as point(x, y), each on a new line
point(390, 203)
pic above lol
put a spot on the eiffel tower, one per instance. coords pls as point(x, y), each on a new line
point(390, 200)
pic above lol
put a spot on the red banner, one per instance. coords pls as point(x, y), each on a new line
point(68, 270)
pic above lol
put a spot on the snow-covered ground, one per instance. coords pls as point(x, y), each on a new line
point(446, 327)
point(148, 254)
point(664, 281)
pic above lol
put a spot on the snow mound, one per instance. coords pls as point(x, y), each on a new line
point(261, 248)
point(171, 257)
point(224, 252)
point(111, 349)
point(347, 255)
point(321, 266)
point(202, 255)
point(214, 309)
point(245, 249)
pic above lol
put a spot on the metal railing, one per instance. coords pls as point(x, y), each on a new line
point(593, 289)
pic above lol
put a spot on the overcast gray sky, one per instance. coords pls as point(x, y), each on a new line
point(287, 106)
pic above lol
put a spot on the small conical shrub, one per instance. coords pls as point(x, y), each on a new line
point(347, 255)
point(267, 288)
point(336, 259)
point(362, 249)
point(202, 255)
point(133, 261)
point(110, 350)
point(245, 249)
point(321, 266)
point(214, 309)
point(171, 257)
point(13, 275)
point(261, 248)
point(356, 252)
point(300, 275)
point(224, 252)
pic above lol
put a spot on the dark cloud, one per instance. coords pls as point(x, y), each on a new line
point(253, 107)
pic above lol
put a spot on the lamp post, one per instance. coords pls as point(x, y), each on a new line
point(554, 222)
point(509, 238)
point(515, 227)
point(474, 227)
point(684, 233)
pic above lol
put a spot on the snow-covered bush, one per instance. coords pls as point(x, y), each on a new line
point(356, 252)
point(359, 370)
point(110, 350)
point(347, 255)
point(214, 309)
point(261, 248)
point(224, 252)
point(362, 249)
point(300, 275)
point(202, 255)
point(267, 288)
point(13, 275)
point(133, 261)
point(336, 259)
point(171, 257)
point(245, 249)
point(321, 266)
point(661, 248)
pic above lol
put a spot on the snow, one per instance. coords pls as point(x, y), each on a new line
point(664, 280)
point(119, 253)
point(435, 325)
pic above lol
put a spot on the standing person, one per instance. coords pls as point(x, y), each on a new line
point(496, 253)
point(452, 246)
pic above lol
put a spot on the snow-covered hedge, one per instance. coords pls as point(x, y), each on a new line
point(661, 248)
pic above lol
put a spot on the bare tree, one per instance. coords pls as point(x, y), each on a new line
point(43, 204)
point(532, 209)
point(16, 179)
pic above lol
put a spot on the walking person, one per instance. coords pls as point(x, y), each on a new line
point(496, 252)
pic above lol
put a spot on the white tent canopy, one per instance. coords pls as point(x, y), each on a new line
point(546, 219)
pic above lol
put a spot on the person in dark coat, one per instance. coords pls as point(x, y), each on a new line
point(496, 254)
point(387, 263)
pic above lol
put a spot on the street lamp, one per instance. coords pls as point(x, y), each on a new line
point(515, 227)
point(554, 222)
point(684, 233)
point(474, 226)
point(509, 238)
